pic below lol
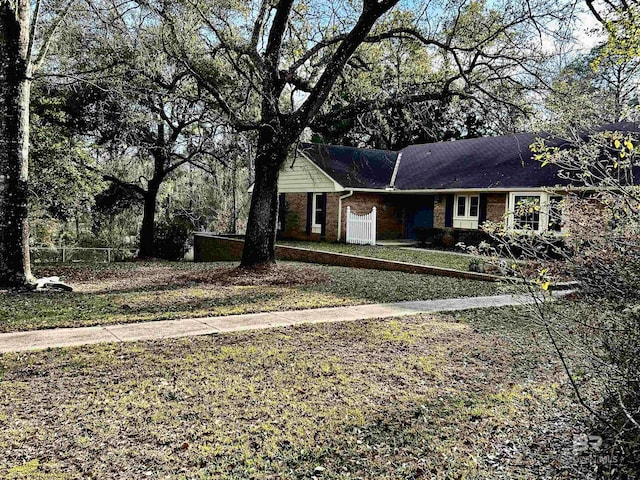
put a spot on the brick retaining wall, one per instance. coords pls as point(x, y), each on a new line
point(212, 248)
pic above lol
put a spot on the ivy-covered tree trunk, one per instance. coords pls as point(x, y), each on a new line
point(15, 91)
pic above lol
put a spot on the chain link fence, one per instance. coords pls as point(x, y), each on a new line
point(43, 255)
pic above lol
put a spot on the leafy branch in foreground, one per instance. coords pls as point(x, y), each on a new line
point(600, 249)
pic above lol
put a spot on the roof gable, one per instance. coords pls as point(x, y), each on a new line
point(305, 176)
point(352, 167)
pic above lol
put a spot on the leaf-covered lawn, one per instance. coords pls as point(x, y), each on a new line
point(421, 398)
point(132, 292)
point(420, 257)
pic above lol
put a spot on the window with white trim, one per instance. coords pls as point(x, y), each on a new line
point(318, 213)
point(466, 212)
point(467, 206)
point(461, 206)
point(526, 212)
point(474, 206)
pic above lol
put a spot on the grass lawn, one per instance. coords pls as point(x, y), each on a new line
point(422, 398)
point(133, 292)
point(431, 258)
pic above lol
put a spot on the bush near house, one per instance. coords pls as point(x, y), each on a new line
point(517, 245)
point(603, 256)
point(447, 238)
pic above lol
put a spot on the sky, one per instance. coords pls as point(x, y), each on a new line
point(585, 36)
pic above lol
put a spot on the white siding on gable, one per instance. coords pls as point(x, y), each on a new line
point(305, 176)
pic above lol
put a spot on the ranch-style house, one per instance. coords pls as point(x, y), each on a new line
point(458, 184)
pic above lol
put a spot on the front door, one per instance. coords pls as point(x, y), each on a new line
point(419, 214)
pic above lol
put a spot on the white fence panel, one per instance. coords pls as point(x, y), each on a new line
point(361, 229)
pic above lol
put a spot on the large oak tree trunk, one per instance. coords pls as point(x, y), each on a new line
point(15, 92)
point(259, 246)
point(147, 231)
point(279, 132)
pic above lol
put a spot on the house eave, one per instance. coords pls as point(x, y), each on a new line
point(430, 191)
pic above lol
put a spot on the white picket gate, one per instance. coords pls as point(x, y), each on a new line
point(361, 229)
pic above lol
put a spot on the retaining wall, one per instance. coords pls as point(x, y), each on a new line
point(213, 248)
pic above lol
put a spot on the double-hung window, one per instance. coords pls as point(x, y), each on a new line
point(467, 209)
point(526, 212)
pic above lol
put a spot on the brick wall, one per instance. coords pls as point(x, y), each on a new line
point(211, 248)
point(439, 208)
point(295, 223)
point(295, 216)
point(389, 214)
point(332, 216)
point(496, 207)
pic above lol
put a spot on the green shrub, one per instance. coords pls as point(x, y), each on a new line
point(171, 239)
point(447, 238)
point(602, 254)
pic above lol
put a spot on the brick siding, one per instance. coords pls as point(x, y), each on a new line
point(390, 209)
point(390, 222)
point(390, 215)
point(439, 208)
point(496, 207)
point(295, 223)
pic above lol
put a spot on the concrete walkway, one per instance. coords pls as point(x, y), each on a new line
point(69, 337)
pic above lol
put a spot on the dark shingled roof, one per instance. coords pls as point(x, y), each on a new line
point(491, 162)
point(353, 167)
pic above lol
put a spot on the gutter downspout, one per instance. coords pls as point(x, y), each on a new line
point(340, 212)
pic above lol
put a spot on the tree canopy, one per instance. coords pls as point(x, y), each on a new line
point(153, 88)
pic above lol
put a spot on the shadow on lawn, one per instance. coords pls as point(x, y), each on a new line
point(73, 310)
point(141, 277)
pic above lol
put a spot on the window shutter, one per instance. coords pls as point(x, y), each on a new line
point(309, 211)
point(282, 211)
point(482, 215)
point(448, 211)
point(323, 226)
